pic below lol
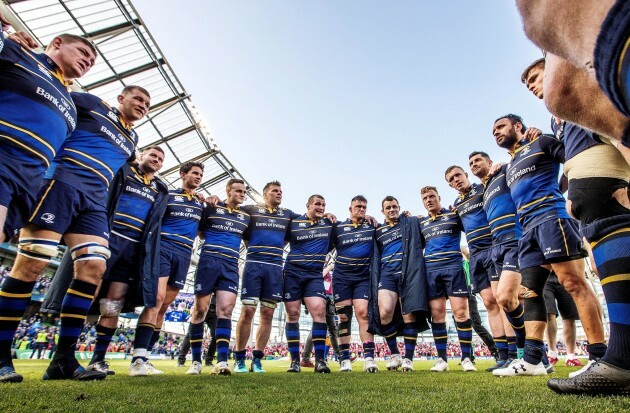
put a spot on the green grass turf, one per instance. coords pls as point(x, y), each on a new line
point(278, 391)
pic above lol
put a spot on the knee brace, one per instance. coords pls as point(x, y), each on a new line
point(591, 198)
point(93, 251)
point(110, 308)
point(534, 279)
point(250, 302)
point(344, 326)
point(38, 248)
point(268, 304)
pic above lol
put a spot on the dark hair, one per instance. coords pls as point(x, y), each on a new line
point(312, 198)
point(450, 168)
point(536, 63)
point(270, 184)
point(482, 153)
point(233, 181)
point(359, 198)
point(388, 198)
point(187, 166)
point(426, 189)
point(131, 88)
point(513, 120)
point(157, 148)
point(73, 38)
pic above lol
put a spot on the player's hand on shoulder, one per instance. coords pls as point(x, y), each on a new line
point(212, 200)
point(331, 217)
point(532, 133)
point(199, 196)
point(406, 214)
point(371, 220)
point(495, 168)
point(21, 38)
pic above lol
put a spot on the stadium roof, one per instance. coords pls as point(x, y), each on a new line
point(128, 55)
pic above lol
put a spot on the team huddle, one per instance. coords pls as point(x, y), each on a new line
point(69, 170)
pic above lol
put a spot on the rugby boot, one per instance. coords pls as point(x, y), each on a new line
point(240, 367)
point(256, 366)
point(369, 365)
point(520, 367)
point(221, 369)
point(573, 363)
point(307, 363)
point(138, 368)
point(600, 378)
point(407, 365)
point(345, 365)
point(500, 364)
point(440, 366)
point(295, 367)
point(195, 369)
point(394, 363)
point(152, 371)
point(468, 365)
point(583, 369)
point(321, 367)
point(70, 370)
point(101, 366)
point(8, 375)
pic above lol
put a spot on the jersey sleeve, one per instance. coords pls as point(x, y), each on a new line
point(552, 147)
point(9, 50)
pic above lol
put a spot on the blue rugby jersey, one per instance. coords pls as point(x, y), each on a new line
point(469, 207)
point(134, 205)
point(576, 139)
point(223, 230)
point(181, 220)
point(99, 146)
point(389, 241)
point(36, 114)
point(266, 233)
point(532, 176)
point(354, 244)
point(500, 209)
point(442, 234)
point(310, 242)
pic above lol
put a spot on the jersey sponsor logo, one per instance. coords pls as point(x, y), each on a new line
point(346, 229)
point(190, 210)
point(385, 229)
point(445, 218)
point(313, 231)
point(514, 174)
point(473, 192)
point(261, 210)
point(48, 218)
point(241, 217)
point(62, 108)
point(146, 189)
point(272, 221)
point(179, 198)
point(118, 139)
point(526, 151)
point(229, 224)
point(548, 251)
point(45, 71)
point(220, 211)
point(302, 224)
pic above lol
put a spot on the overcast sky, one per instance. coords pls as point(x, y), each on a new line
point(349, 97)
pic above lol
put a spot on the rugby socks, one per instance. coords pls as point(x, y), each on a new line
point(596, 350)
point(144, 331)
point(344, 351)
point(368, 349)
point(319, 340)
point(410, 333)
point(222, 334)
point(512, 352)
point(440, 337)
point(502, 347)
point(389, 332)
point(154, 337)
point(15, 296)
point(258, 354)
point(611, 251)
point(74, 309)
point(292, 331)
point(464, 333)
point(195, 331)
point(534, 351)
point(516, 318)
point(239, 355)
point(103, 338)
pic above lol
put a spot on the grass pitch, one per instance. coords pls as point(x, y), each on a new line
point(278, 391)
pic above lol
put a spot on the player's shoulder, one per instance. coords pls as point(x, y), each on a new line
point(88, 100)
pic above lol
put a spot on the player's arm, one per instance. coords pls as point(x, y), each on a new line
point(553, 148)
point(21, 38)
point(465, 251)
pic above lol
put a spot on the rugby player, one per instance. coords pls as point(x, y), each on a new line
point(391, 247)
point(550, 240)
point(222, 229)
point(309, 239)
point(177, 237)
point(598, 181)
point(441, 231)
point(353, 239)
point(484, 277)
point(262, 275)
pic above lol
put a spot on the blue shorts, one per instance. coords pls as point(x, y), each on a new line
point(390, 282)
point(482, 270)
point(174, 264)
point(446, 282)
point(350, 288)
point(124, 263)
point(262, 281)
point(556, 240)
point(613, 74)
point(19, 204)
point(505, 256)
point(214, 274)
point(63, 209)
point(299, 284)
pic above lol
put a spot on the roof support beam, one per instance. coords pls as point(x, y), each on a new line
point(120, 76)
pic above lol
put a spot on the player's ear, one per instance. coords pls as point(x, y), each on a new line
point(120, 99)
